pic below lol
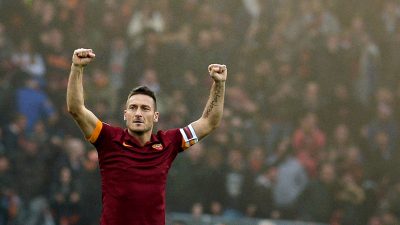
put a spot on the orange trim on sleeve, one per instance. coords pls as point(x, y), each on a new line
point(192, 142)
point(184, 145)
point(96, 132)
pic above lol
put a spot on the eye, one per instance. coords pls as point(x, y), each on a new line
point(132, 107)
point(146, 108)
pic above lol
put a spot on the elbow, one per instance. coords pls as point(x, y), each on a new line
point(214, 124)
point(73, 111)
point(207, 124)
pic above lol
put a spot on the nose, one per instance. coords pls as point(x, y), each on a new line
point(138, 113)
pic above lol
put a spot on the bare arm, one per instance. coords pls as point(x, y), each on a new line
point(75, 101)
point(212, 113)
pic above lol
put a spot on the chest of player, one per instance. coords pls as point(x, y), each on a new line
point(125, 167)
point(124, 154)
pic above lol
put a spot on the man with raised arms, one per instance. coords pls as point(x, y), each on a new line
point(134, 161)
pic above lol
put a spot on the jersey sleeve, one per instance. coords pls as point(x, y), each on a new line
point(96, 132)
point(102, 133)
point(189, 136)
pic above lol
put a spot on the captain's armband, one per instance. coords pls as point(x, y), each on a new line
point(189, 137)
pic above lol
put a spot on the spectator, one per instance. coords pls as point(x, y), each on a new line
point(65, 198)
point(146, 17)
point(393, 199)
point(71, 157)
point(6, 47)
point(9, 206)
point(34, 104)
point(147, 55)
point(389, 218)
point(312, 100)
point(308, 143)
point(150, 79)
point(255, 164)
point(54, 48)
point(90, 203)
point(234, 184)
point(375, 220)
point(342, 109)
point(318, 199)
point(291, 181)
point(366, 83)
point(214, 178)
point(260, 201)
point(350, 197)
point(384, 123)
point(116, 67)
point(380, 158)
point(189, 187)
point(101, 91)
point(13, 133)
point(29, 60)
point(30, 168)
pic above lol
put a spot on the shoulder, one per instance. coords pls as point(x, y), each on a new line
point(182, 137)
point(111, 129)
point(168, 134)
point(104, 131)
point(170, 137)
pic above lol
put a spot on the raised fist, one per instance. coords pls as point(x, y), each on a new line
point(218, 72)
point(82, 57)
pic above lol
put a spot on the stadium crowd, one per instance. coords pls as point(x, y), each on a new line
point(310, 130)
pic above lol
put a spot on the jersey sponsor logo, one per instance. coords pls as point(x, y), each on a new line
point(127, 145)
point(157, 147)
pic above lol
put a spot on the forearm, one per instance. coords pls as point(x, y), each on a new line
point(75, 99)
point(212, 114)
point(214, 108)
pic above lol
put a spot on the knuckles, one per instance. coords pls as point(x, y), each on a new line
point(217, 68)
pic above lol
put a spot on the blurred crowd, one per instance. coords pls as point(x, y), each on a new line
point(310, 128)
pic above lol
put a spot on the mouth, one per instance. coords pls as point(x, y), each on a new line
point(138, 122)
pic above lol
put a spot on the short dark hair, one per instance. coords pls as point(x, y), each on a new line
point(143, 90)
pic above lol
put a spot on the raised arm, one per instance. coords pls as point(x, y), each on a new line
point(75, 101)
point(212, 113)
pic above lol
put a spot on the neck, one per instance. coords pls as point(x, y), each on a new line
point(142, 137)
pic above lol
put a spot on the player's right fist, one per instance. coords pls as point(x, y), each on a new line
point(82, 57)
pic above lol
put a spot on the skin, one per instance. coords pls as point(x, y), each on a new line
point(140, 116)
point(140, 112)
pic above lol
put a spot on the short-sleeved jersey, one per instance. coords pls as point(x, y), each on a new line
point(133, 176)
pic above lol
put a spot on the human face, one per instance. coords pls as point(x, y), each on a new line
point(140, 114)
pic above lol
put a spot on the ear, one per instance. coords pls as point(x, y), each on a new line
point(124, 114)
point(156, 115)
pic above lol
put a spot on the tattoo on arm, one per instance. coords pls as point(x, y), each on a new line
point(214, 101)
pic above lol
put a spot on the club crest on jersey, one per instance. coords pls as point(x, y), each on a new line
point(157, 147)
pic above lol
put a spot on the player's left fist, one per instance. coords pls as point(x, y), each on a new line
point(218, 72)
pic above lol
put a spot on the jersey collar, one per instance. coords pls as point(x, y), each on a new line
point(133, 141)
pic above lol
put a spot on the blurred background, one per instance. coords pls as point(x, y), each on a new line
point(310, 128)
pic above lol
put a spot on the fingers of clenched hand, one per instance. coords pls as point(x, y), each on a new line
point(218, 72)
point(82, 57)
point(216, 68)
point(84, 53)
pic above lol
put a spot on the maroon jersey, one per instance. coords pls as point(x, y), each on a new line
point(134, 177)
